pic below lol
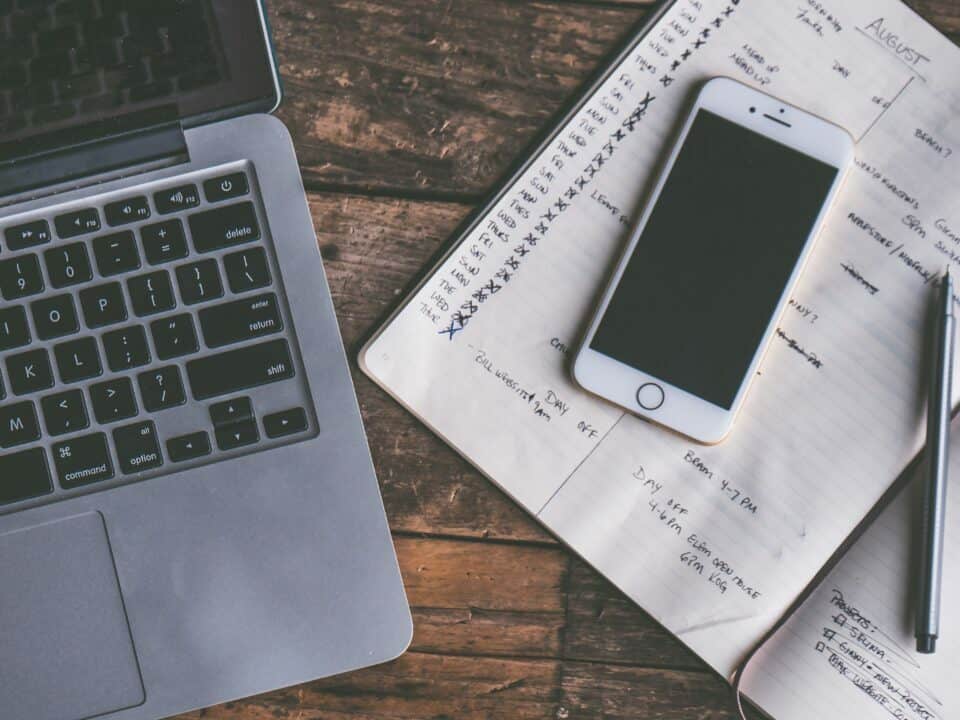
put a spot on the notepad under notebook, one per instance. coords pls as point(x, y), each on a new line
point(718, 542)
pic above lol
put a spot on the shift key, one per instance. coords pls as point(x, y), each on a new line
point(246, 319)
point(235, 370)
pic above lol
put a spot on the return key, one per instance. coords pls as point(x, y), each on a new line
point(240, 320)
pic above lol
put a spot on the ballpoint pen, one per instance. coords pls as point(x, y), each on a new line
point(938, 433)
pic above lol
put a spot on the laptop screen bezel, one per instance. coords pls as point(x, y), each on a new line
point(103, 129)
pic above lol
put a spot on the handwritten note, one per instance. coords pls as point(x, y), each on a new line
point(849, 651)
point(715, 542)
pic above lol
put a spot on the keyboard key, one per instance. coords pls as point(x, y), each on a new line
point(103, 305)
point(83, 460)
point(78, 360)
point(113, 400)
point(27, 235)
point(240, 320)
point(24, 475)
point(64, 412)
point(137, 447)
point(29, 372)
point(55, 317)
point(68, 265)
point(20, 276)
point(226, 187)
point(231, 411)
point(126, 348)
point(247, 270)
point(224, 227)
point(199, 281)
point(18, 424)
point(14, 331)
point(161, 388)
point(174, 336)
point(188, 447)
point(164, 241)
point(127, 211)
point(230, 437)
point(182, 197)
point(240, 369)
point(287, 422)
point(116, 253)
point(77, 223)
point(151, 293)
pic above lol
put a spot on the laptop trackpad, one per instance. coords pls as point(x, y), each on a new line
point(66, 651)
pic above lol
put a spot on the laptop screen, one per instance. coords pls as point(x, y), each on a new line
point(75, 70)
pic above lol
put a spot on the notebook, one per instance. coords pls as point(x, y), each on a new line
point(848, 651)
point(716, 543)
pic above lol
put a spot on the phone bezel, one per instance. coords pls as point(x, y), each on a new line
point(680, 410)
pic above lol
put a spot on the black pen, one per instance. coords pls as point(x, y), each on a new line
point(938, 436)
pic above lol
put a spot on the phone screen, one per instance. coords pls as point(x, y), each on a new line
point(714, 258)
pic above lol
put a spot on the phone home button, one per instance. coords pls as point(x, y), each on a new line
point(650, 396)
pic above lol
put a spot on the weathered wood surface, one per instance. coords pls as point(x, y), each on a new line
point(404, 113)
point(435, 99)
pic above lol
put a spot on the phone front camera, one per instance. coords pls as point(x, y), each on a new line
point(753, 109)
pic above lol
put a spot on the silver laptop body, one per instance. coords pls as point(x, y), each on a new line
point(188, 510)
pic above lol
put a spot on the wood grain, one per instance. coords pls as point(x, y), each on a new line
point(372, 250)
point(421, 686)
point(405, 113)
point(431, 99)
point(605, 626)
point(426, 97)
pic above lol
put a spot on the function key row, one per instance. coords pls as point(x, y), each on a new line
point(27, 235)
point(128, 210)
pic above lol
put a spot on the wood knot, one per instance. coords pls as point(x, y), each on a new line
point(330, 252)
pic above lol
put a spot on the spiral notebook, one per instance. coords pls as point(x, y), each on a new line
point(718, 543)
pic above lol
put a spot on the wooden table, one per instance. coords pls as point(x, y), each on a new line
point(405, 113)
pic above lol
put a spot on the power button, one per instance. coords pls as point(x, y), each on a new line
point(650, 396)
point(226, 187)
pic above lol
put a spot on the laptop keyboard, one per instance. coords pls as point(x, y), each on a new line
point(141, 333)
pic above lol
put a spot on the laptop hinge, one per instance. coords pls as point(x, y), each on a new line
point(94, 158)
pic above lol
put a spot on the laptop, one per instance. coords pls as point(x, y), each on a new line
point(188, 509)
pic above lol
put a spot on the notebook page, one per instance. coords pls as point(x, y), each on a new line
point(848, 652)
point(480, 352)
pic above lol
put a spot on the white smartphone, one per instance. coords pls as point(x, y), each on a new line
point(711, 263)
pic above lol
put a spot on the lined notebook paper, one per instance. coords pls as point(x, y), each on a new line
point(715, 542)
point(849, 650)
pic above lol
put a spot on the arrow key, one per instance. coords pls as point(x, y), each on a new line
point(287, 422)
point(231, 411)
point(238, 434)
point(188, 447)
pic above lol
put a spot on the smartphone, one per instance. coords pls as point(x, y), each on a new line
point(709, 267)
